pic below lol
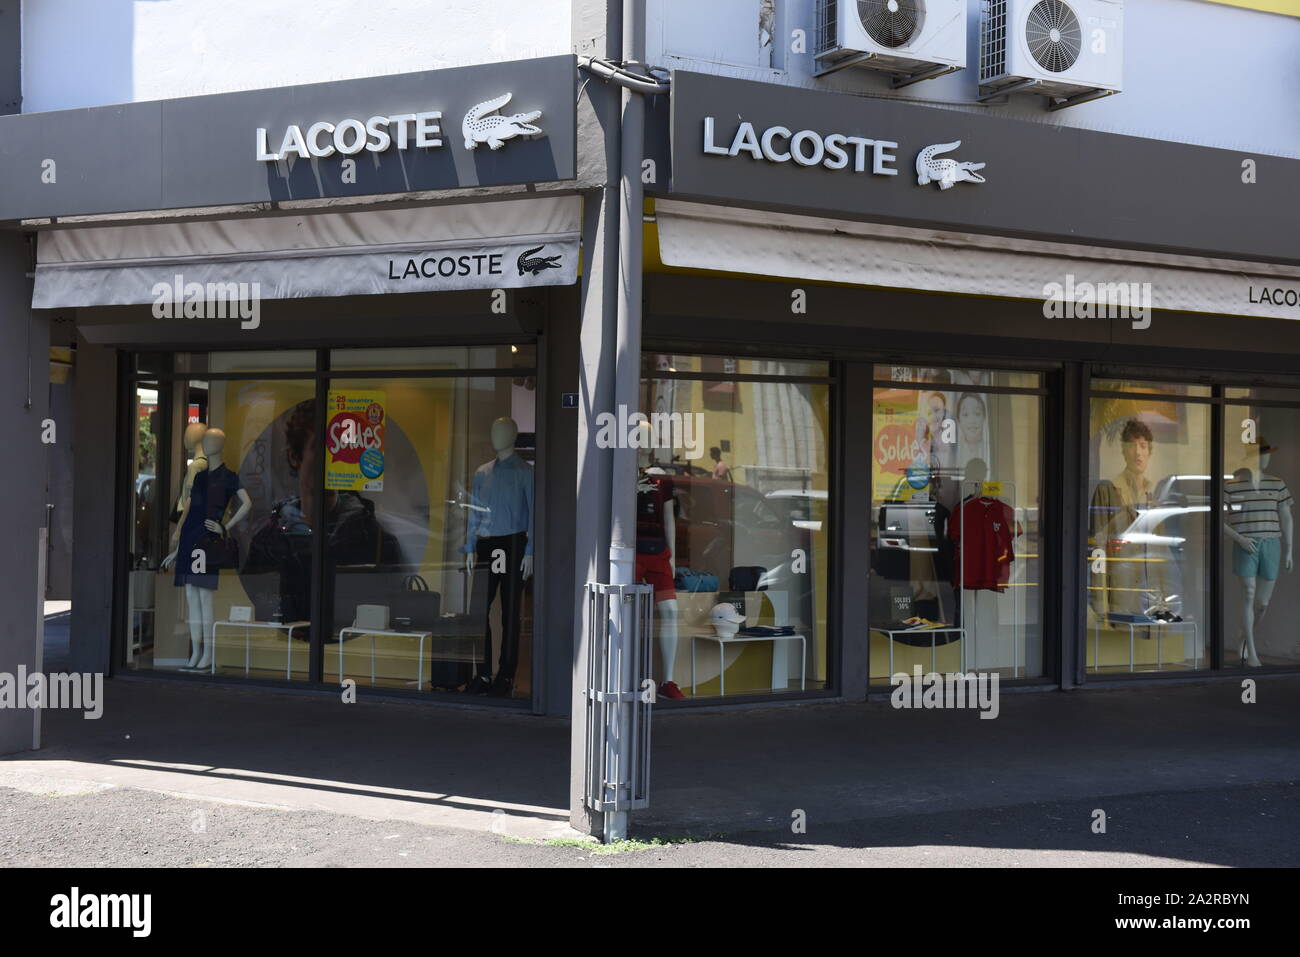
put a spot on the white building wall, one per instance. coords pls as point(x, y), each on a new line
point(1194, 72)
point(79, 53)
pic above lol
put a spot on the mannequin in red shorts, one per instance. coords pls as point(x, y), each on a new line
point(656, 534)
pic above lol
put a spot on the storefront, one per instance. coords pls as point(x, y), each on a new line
point(330, 454)
point(921, 387)
point(1057, 437)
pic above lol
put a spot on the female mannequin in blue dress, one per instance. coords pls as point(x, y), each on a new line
point(201, 523)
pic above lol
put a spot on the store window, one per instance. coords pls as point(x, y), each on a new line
point(1149, 512)
point(733, 523)
point(208, 592)
point(430, 525)
point(1261, 445)
point(955, 583)
point(404, 494)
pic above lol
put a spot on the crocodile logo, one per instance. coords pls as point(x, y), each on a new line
point(538, 265)
point(481, 126)
point(946, 172)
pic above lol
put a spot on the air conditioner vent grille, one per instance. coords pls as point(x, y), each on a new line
point(1053, 35)
point(891, 23)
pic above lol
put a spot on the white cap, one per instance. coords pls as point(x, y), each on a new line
point(726, 612)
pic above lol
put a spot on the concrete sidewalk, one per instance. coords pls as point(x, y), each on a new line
point(838, 766)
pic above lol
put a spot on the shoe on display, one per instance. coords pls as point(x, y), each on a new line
point(479, 686)
point(669, 689)
point(501, 688)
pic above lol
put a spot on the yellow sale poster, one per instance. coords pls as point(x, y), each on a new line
point(354, 440)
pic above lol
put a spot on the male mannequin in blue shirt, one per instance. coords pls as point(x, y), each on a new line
point(500, 545)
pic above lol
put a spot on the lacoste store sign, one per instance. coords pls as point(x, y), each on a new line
point(482, 124)
point(897, 161)
point(840, 151)
point(493, 124)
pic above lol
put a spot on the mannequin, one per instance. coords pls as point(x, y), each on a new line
point(193, 442)
point(1261, 526)
point(656, 564)
point(201, 523)
point(501, 525)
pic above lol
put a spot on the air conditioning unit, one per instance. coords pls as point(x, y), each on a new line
point(912, 39)
point(1069, 50)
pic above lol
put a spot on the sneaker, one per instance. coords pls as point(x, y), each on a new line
point(669, 689)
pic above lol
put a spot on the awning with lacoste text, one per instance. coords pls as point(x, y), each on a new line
point(487, 245)
point(761, 243)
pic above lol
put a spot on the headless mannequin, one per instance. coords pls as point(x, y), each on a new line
point(504, 435)
point(1258, 591)
point(666, 610)
point(198, 600)
point(508, 589)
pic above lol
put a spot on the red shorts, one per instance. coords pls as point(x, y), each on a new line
point(657, 570)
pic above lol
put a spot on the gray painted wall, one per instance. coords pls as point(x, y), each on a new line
point(1194, 72)
point(24, 348)
point(95, 464)
point(11, 59)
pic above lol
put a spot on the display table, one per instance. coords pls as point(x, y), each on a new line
point(889, 634)
point(778, 661)
point(1133, 626)
point(373, 633)
point(284, 626)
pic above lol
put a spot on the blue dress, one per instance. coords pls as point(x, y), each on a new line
point(210, 495)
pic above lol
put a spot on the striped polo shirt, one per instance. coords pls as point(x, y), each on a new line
point(1254, 511)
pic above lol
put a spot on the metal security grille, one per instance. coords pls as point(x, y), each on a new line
point(618, 714)
point(827, 26)
point(993, 40)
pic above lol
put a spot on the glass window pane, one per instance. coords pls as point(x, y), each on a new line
point(733, 533)
point(956, 577)
point(653, 362)
point(1148, 535)
point(147, 545)
point(519, 356)
point(1175, 389)
point(960, 378)
point(1261, 473)
point(429, 520)
point(200, 363)
point(1266, 393)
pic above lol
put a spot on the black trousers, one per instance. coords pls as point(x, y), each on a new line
point(509, 584)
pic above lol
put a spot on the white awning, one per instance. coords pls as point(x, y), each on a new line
point(487, 245)
point(762, 243)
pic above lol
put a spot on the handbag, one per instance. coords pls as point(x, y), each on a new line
point(219, 551)
point(416, 602)
point(688, 580)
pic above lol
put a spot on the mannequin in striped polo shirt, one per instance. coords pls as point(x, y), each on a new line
point(1259, 522)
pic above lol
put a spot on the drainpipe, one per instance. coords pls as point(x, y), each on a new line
point(627, 361)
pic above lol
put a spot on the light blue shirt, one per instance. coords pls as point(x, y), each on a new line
point(502, 499)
